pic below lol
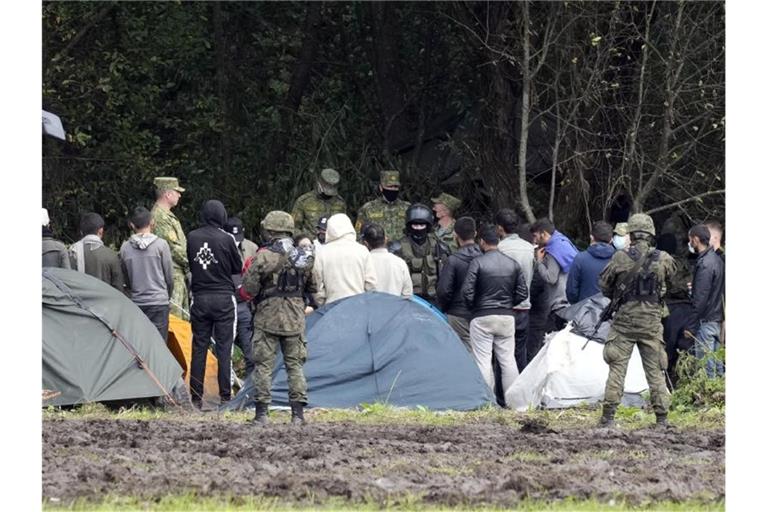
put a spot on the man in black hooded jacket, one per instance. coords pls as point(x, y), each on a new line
point(213, 258)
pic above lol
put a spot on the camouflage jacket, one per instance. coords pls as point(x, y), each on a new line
point(390, 216)
point(309, 207)
point(445, 234)
point(425, 262)
point(637, 317)
point(168, 227)
point(280, 315)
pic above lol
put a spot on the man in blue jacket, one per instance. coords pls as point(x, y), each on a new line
point(587, 265)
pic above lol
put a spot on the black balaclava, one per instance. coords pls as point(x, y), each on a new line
point(417, 235)
point(390, 195)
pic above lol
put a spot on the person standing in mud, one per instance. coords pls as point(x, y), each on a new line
point(637, 279)
point(277, 279)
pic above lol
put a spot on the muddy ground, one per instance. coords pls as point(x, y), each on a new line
point(470, 464)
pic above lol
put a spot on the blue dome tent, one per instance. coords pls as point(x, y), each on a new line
point(376, 347)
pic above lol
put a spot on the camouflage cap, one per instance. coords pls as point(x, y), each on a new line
point(641, 222)
point(621, 229)
point(278, 221)
point(328, 180)
point(390, 178)
point(450, 202)
point(168, 183)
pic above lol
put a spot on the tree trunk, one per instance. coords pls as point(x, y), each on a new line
point(225, 151)
point(299, 81)
point(525, 112)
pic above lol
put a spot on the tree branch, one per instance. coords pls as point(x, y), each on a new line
point(688, 200)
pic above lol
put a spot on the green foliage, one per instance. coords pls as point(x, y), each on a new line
point(152, 88)
point(696, 390)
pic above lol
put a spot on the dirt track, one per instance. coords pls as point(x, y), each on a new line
point(444, 465)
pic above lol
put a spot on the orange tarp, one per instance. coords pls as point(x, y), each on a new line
point(180, 345)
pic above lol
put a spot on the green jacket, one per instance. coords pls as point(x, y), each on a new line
point(636, 317)
point(309, 207)
point(168, 227)
point(445, 234)
point(280, 315)
point(424, 263)
point(390, 216)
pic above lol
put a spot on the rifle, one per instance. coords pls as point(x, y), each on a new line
point(619, 295)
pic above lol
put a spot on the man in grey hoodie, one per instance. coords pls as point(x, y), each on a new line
point(148, 269)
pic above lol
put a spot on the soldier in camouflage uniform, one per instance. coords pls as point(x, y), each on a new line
point(422, 251)
point(167, 226)
point(445, 206)
point(277, 279)
point(323, 201)
point(387, 211)
point(638, 279)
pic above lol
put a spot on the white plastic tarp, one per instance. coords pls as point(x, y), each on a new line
point(564, 375)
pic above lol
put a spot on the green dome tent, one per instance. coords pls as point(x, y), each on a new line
point(99, 346)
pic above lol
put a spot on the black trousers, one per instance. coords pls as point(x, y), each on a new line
point(536, 325)
point(158, 315)
point(213, 316)
point(244, 337)
point(521, 339)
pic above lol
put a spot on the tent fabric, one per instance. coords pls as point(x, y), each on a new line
point(585, 317)
point(569, 370)
point(377, 347)
point(83, 361)
point(180, 345)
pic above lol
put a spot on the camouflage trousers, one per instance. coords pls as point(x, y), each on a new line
point(180, 297)
point(617, 352)
point(294, 350)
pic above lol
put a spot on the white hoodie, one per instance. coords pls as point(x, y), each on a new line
point(344, 267)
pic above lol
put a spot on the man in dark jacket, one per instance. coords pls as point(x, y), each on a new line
point(587, 265)
point(451, 279)
point(148, 268)
point(244, 336)
point(707, 293)
point(54, 252)
point(681, 322)
point(493, 287)
point(92, 257)
point(213, 258)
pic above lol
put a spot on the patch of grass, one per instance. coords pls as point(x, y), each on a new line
point(405, 502)
point(382, 414)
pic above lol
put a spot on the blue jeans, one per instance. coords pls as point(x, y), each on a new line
point(709, 341)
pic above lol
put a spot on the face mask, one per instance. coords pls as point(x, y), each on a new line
point(321, 237)
point(691, 249)
point(418, 235)
point(619, 242)
point(390, 195)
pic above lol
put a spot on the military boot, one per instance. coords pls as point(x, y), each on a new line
point(661, 420)
point(606, 421)
point(297, 413)
point(261, 413)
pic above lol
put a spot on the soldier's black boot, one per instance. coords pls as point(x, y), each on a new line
point(297, 413)
point(606, 421)
point(261, 413)
point(661, 420)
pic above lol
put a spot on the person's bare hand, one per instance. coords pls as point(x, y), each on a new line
point(540, 252)
point(308, 310)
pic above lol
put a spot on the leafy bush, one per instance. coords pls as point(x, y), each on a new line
point(695, 389)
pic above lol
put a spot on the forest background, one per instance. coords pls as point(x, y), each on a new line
point(578, 111)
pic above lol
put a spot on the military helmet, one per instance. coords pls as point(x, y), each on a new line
point(278, 221)
point(418, 213)
point(641, 222)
